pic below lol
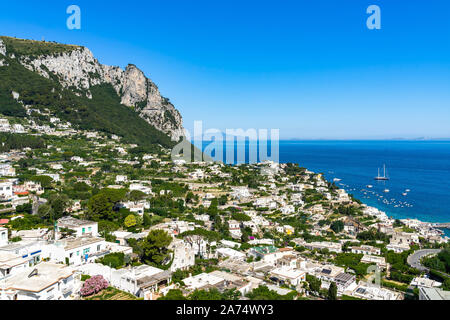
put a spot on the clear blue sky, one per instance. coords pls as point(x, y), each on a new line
point(309, 68)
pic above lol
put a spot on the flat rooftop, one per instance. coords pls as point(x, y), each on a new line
point(9, 260)
point(70, 244)
point(47, 275)
point(435, 293)
point(69, 222)
point(287, 273)
point(20, 245)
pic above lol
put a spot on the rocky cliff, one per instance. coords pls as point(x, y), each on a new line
point(77, 69)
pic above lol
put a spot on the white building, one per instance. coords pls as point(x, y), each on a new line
point(183, 255)
point(265, 202)
point(399, 243)
point(371, 292)
point(34, 187)
point(138, 207)
point(140, 187)
point(32, 251)
point(230, 244)
point(379, 261)
point(235, 229)
point(202, 280)
point(240, 193)
point(81, 227)
point(143, 281)
point(4, 125)
point(6, 170)
point(6, 190)
point(11, 264)
point(18, 128)
point(425, 282)
point(77, 251)
point(3, 237)
point(433, 294)
point(342, 196)
point(121, 179)
point(364, 249)
point(269, 242)
point(331, 246)
point(289, 275)
point(46, 281)
point(234, 281)
point(198, 174)
point(231, 253)
point(289, 209)
point(179, 162)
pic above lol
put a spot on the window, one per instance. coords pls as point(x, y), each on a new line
point(90, 229)
point(83, 231)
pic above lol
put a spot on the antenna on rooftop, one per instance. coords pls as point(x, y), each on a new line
point(33, 273)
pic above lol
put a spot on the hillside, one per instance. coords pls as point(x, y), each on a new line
point(70, 83)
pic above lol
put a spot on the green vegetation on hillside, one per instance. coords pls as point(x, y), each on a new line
point(20, 141)
point(32, 48)
point(103, 112)
point(8, 106)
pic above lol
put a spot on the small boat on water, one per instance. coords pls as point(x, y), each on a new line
point(383, 177)
point(370, 186)
point(337, 180)
point(407, 190)
point(405, 194)
point(387, 190)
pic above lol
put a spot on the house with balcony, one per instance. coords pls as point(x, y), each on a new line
point(82, 228)
point(78, 251)
point(365, 249)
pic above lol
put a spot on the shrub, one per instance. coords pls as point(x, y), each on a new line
point(84, 277)
point(94, 285)
point(114, 260)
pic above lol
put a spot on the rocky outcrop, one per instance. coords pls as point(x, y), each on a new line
point(3, 62)
point(79, 70)
point(2, 48)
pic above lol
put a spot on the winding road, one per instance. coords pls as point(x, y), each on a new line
point(414, 259)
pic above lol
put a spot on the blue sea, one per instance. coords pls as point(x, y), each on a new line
point(420, 166)
point(423, 167)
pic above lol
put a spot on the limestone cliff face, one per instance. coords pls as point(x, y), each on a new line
point(2, 53)
point(79, 70)
point(2, 48)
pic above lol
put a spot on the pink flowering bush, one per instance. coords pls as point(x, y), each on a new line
point(94, 285)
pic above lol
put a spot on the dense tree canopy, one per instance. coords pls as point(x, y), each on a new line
point(154, 247)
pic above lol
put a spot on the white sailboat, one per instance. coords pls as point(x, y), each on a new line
point(383, 177)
